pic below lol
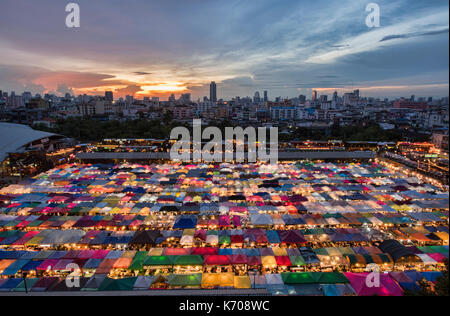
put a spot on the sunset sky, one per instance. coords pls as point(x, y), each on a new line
point(288, 47)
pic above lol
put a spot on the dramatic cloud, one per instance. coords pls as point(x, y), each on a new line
point(391, 37)
point(161, 47)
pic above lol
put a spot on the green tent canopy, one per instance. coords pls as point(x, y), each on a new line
point(189, 260)
point(158, 261)
point(329, 277)
point(313, 277)
point(125, 284)
point(297, 260)
point(224, 240)
point(138, 260)
point(185, 279)
point(297, 278)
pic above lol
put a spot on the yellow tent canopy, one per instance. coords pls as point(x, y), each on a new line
point(217, 279)
point(242, 282)
point(268, 261)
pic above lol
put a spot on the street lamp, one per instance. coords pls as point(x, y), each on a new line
point(24, 275)
point(254, 277)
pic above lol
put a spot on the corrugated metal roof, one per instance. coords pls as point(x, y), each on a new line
point(14, 136)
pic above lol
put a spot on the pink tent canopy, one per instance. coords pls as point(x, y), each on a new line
point(388, 287)
point(176, 251)
point(238, 209)
point(437, 256)
point(46, 264)
point(224, 220)
point(236, 221)
point(100, 254)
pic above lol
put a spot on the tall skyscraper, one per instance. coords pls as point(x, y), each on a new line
point(213, 92)
point(265, 96)
point(335, 96)
point(314, 95)
point(257, 97)
point(129, 99)
point(185, 98)
point(109, 96)
point(302, 98)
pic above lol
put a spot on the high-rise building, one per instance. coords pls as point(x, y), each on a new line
point(257, 97)
point(314, 95)
point(335, 96)
point(302, 99)
point(265, 96)
point(129, 99)
point(109, 96)
point(185, 98)
point(213, 92)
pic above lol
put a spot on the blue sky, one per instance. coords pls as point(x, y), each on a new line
point(284, 46)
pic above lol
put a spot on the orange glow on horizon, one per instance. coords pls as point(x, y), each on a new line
point(163, 87)
point(163, 90)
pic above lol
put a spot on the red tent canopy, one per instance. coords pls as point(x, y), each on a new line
point(201, 234)
point(283, 261)
point(205, 251)
point(254, 260)
point(239, 259)
point(291, 237)
point(219, 260)
point(237, 239)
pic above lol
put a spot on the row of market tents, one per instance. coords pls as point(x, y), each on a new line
point(175, 200)
point(105, 261)
point(224, 221)
point(216, 218)
point(303, 283)
point(238, 237)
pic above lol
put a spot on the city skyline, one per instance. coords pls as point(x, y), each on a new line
point(149, 49)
